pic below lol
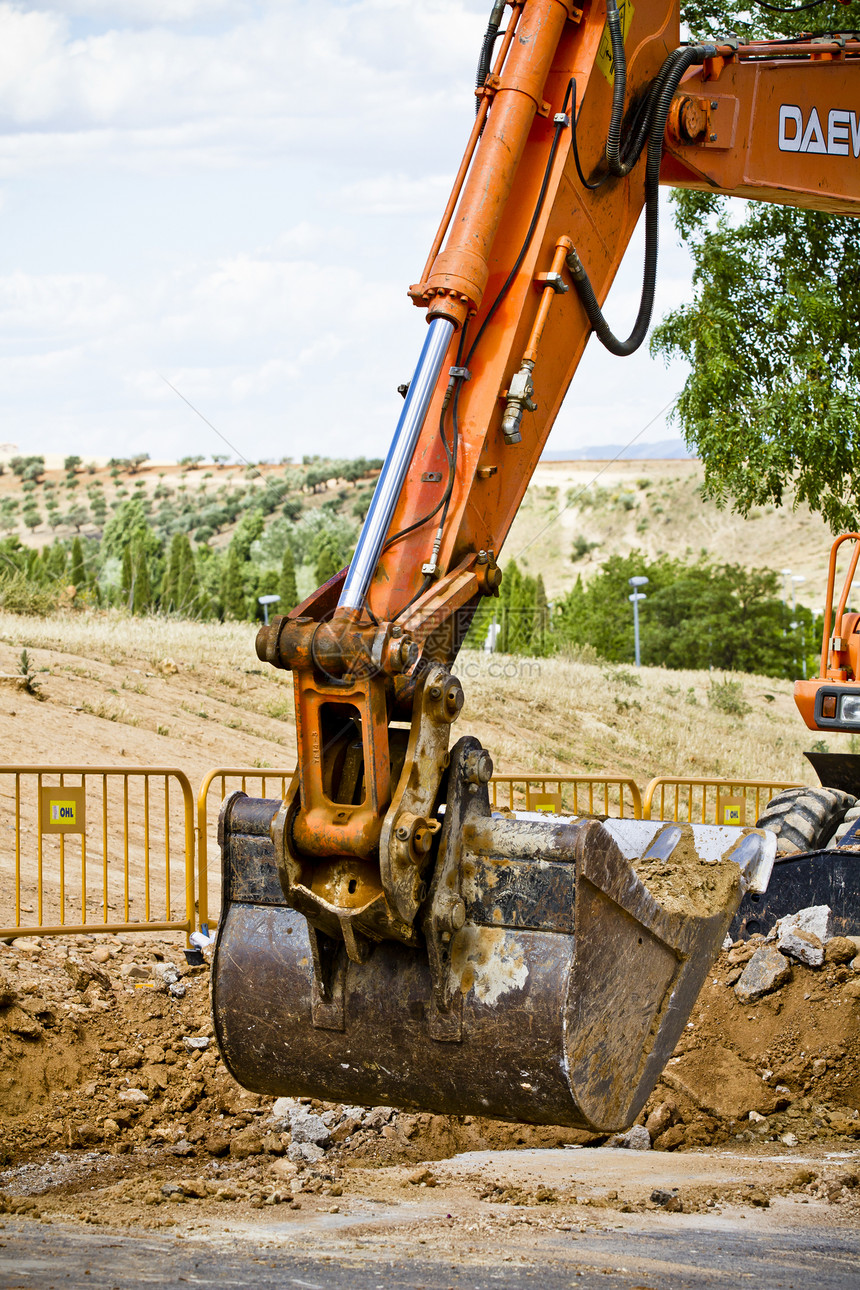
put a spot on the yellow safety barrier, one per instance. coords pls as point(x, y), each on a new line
point(699, 800)
point(614, 795)
point(238, 777)
point(95, 849)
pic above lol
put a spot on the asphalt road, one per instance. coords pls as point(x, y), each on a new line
point(638, 1257)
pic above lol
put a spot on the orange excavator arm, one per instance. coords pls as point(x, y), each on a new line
point(385, 935)
point(581, 116)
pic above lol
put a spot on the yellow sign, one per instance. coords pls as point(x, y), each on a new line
point(605, 61)
point(63, 810)
point(549, 802)
point(732, 810)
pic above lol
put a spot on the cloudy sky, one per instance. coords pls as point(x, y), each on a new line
point(234, 195)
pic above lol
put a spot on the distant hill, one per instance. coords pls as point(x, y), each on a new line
point(664, 450)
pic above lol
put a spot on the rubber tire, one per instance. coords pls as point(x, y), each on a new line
point(803, 819)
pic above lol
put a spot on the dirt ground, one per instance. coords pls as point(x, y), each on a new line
point(117, 1112)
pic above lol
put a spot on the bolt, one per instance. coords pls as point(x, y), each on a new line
point(458, 915)
point(435, 692)
point(482, 557)
point(403, 833)
point(713, 138)
point(454, 699)
point(396, 631)
point(714, 105)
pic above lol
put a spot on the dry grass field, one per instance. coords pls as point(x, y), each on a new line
point(114, 690)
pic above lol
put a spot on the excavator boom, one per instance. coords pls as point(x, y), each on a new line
point(385, 936)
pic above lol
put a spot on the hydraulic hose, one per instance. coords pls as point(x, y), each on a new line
point(489, 43)
point(670, 76)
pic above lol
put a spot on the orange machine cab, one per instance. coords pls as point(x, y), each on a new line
point(831, 701)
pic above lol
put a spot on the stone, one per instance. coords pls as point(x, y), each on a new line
point(757, 1197)
point(819, 1068)
point(661, 1119)
point(305, 1152)
point(661, 1196)
point(196, 1044)
point(419, 1176)
point(721, 1084)
point(637, 1138)
point(246, 1143)
point(284, 1168)
point(839, 949)
point(283, 1108)
point(177, 990)
point(766, 971)
point(789, 1139)
point(29, 944)
point(101, 955)
point(669, 1140)
point(8, 994)
point(814, 918)
point(217, 1144)
point(136, 972)
point(306, 1127)
point(83, 975)
point(135, 1096)
point(801, 945)
point(345, 1130)
point(378, 1116)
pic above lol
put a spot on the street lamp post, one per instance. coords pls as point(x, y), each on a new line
point(635, 597)
point(265, 601)
point(797, 578)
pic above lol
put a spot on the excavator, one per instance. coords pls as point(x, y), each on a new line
point(386, 937)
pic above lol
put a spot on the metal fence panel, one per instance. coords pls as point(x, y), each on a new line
point(225, 780)
point(95, 848)
point(699, 800)
point(613, 795)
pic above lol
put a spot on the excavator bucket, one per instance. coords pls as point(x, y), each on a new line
point(554, 994)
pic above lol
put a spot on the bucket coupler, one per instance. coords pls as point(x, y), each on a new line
point(557, 962)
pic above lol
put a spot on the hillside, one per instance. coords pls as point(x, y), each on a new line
point(575, 514)
point(165, 692)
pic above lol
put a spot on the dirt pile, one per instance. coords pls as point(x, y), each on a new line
point(784, 1067)
point(107, 1042)
point(115, 1105)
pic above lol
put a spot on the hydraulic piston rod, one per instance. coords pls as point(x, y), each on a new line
point(400, 454)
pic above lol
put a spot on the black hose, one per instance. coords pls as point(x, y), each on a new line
point(619, 87)
point(490, 37)
point(678, 62)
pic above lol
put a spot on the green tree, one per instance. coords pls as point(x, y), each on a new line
point(77, 570)
point(328, 563)
point(141, 595)
point(287, 589)
point(233, 597)
point(772, 402)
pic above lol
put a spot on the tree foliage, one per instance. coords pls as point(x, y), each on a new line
point(772, 402)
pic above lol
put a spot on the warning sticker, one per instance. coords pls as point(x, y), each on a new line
point(605, 61)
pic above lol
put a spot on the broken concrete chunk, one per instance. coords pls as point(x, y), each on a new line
point(801, 945)
point(766, 971)
point(636, 1138)
point(305, 1152)
point(814, 918)
point(307, 1127)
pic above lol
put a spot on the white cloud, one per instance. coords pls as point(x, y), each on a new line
point(236, 195)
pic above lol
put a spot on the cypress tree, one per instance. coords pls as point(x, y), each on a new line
point(170, 586)
point(77, 572)
point(287, 588)
point(232, 586)
point(126, 584)
point(327, 564)
point(142, 595)
point(188, 583)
